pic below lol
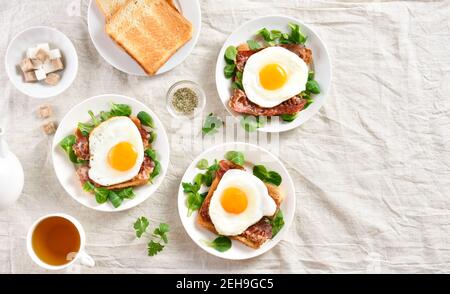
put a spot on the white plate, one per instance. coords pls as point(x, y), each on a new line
point(118, 58)
point(29, 38)
point(255, 155)
point(65, 170)
point(321, 60)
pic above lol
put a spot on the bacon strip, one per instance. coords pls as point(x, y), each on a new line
point(241, 104)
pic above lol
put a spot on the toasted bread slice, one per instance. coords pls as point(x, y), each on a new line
point(150, 31)
point(109, 7)
point(130, 183)
point(273, 190)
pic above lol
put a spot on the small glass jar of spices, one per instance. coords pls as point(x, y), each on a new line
point(185, 99)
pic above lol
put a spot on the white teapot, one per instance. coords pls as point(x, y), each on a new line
point(11, 175)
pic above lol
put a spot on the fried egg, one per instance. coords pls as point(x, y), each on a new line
point(116, 151)
point(274, 75)
point(240, 201)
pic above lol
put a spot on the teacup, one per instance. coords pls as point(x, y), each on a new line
point(57, 241)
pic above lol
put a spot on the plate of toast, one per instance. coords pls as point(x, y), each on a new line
point(144, 37)
point(236, 201)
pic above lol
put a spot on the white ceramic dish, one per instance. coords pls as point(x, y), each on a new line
point(255, 155)
point(65, 170)
point(118, 58)
point(322, 66)
point(29, 38)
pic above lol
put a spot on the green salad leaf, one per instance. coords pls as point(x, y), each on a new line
point(140, 226)
point(221, 244)
point(297, 37)
point(237, 84)
point(235, 157)
point(313, 87)
point(211, 124)
point(202, 164)
point(229, 70)
point(67, 145)
point(156, 170)
point(253, 45)
point(289, 117)
point(115, 199)
point(102, 195)
point(94, 119)
point(251, 123)
point(120, 110)
point(105, 115)
point(264, 175)
point(153, 137)
point(85, 128)
point(88, 187)
point(151, 153)
point(230, 55)
point(277, 223)
point(126, 193)
point(146, 119)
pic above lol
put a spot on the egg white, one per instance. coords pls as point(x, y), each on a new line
point(104, 137)
point(296, 70)
point(259, 203)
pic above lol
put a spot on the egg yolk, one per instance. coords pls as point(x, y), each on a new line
point(272, 77)
point(122, 156)
point(234, 200)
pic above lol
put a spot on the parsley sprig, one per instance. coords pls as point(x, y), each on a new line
point(159, 237)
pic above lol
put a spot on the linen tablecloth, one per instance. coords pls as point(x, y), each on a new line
point(371, 169)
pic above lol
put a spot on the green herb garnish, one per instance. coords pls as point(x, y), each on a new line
point(155, 246)
point(158, 238)
point(146, 119)
point(140, 226)
point(211, 124)
point(264, 175)
point(221, 244)
point(235, 157)
point(194, 199)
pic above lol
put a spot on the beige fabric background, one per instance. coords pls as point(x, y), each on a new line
point(371, 170)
